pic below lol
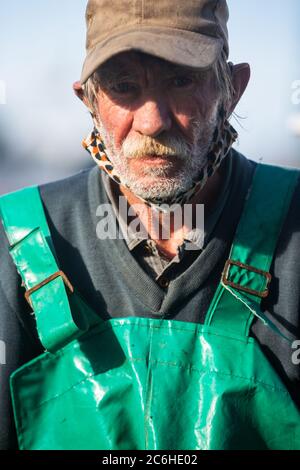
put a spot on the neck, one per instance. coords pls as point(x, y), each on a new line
point(156, 223)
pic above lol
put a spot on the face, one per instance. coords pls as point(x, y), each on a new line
point(157, 121)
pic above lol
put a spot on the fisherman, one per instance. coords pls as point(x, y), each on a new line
point(136, 340)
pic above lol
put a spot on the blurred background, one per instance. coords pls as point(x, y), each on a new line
point(42, 123)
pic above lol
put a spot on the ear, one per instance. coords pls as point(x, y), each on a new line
point(240, 79)
point(78, 90)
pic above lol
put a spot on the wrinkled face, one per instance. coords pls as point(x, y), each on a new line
point(157, 121)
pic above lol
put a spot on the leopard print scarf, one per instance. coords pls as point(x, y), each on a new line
point(224, 136)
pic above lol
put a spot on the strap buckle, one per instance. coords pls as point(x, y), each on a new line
point(265, 274)
point(45, 281)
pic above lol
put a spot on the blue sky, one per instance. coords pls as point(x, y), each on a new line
point(41, 54)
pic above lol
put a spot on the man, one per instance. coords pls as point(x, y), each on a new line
point(143, 341)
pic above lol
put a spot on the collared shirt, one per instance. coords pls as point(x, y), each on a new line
point(145, 250)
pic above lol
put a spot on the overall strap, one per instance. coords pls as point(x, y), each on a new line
point(246, 278)
point(60, 312)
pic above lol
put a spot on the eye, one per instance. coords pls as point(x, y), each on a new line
point(124, 88)
point(182, 81)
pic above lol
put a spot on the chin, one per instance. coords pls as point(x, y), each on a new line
point(148, 174)
point(151, 188)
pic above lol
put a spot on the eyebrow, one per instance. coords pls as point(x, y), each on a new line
point(112, 72)
point(179, 70)
point(125, 74)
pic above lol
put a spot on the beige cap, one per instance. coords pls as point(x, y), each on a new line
point(186, 32)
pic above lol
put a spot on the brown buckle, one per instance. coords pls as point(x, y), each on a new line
point(225, 280)
point(45, 281)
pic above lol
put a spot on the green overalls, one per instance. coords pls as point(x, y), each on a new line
point(141, 383)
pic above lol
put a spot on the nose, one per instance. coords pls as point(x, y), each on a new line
point(153, 117)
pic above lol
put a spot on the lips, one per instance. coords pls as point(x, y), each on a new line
point(157, 158)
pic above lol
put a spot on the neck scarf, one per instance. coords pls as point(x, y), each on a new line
point(223, 138)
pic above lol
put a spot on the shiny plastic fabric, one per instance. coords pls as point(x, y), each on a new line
point(141, 383)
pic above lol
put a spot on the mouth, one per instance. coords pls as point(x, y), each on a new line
point(157, 159)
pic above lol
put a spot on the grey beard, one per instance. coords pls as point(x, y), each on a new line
point(167, 188)
point(193, 159)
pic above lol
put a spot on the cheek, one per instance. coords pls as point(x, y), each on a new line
point(116, 120)
point(199, 111)
point(185, 112)
point(197, 105)
point(207, 102)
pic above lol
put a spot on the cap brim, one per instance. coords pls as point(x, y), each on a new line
point(178, 46)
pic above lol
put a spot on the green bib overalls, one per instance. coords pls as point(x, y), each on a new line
point(141, 383)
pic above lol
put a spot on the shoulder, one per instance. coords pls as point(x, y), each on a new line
point(64, 201)
point(63, 191)
point(67, 204)
point(243, 166)
point(241, 161)
point(66, 191)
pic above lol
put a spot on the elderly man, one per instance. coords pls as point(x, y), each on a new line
point(132, 339)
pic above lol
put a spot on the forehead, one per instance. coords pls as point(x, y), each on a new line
point(134, 62)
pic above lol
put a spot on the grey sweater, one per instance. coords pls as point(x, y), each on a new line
point(115, 284)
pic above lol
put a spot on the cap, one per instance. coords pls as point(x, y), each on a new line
point(186, 32)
